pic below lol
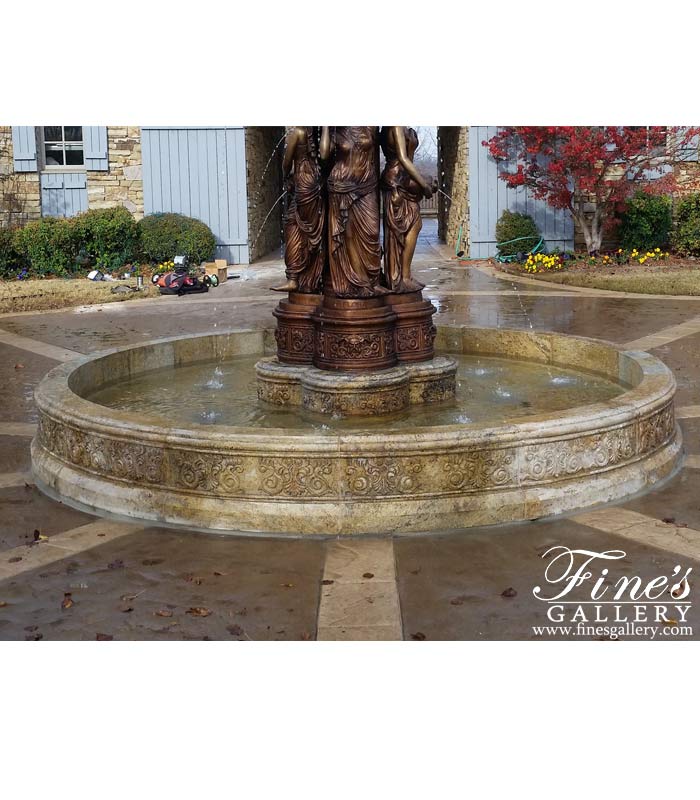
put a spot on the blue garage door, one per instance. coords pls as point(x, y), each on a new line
point(200, 172)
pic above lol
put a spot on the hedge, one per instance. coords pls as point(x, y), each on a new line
point(513, 225)
point(646, 222)
point(107, 237)
point(166, 235)
point(686, 237)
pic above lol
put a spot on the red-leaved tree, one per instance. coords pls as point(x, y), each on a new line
point(572, 167)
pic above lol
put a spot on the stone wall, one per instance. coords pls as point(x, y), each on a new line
point(20, 197)
point(122, 184)
point(264, 184)
point(453, 161)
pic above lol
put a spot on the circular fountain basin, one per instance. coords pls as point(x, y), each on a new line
point(117, 434)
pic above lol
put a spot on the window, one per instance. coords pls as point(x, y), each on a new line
point(63, 146)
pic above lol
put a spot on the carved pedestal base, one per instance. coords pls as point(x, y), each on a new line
point(354, 335)
point(295, 332)
point(414, 331)
point(351, 394)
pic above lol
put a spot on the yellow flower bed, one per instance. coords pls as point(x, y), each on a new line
point(541, 262)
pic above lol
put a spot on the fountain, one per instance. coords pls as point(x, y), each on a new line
point(354, 414)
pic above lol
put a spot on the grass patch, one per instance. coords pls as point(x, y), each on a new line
point(43, 295)
point(682, 282)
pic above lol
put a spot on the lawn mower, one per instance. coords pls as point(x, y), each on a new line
point(183, 280)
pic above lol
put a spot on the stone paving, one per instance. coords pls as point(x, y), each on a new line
point(67, 575)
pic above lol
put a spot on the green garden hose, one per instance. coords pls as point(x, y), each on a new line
point(535, 249)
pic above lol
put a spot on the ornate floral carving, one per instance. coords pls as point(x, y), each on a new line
point(411, 338)
point(434, 391)
point(209, 472)
point(354, 345)
point(656, 429)
point(296, 477)
point(480, 469)
point(383, 476)
point(124, 460)
point(279, 394)
point(571, 456)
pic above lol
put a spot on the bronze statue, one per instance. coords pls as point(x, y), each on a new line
point(353, 210)
point(402, 189)
point(305, 218)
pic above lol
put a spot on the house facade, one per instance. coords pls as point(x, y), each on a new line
point(230, 178)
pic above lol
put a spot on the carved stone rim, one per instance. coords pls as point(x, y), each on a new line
point(431, 478)
point(653, 386)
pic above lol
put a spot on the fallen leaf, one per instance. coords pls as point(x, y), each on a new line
point(14, 559)
point(163, 612)
point(67, 600)
point(198, 611)
point(127, 609)
point(678, 590)
point(306, 637)
point(415, 571)
point(116, 564)
point(235, 630)
point(34, 637)
point(670, 621)
point(418, 637)
point(509, 592)
point(151, 562)
point(459, 600)
point(367, 574)
point(19, 366)
point(104, 637)
point(669, 520)
point(220, 574)
point(327, 582)
point(287, 585)
point(3, 603)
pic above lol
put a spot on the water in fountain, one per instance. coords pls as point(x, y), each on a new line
point(489, 390)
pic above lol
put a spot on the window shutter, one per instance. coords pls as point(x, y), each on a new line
point(690, 151)
point(95, 144)
point(24, 148)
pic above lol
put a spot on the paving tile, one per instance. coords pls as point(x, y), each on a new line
point(451, 586)
point(25, 509)
point(359, 605)
point(254, 589)
point(14, 454)
point(21, 371)
point(350, 560)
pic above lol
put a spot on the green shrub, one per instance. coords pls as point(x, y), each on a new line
point(513, 225)
point(646, 222)
point(108, 237)
point(10, 258)
point(49, 246)
point(164, 236)
point(686, 237)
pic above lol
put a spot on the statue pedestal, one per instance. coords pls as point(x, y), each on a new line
point(414, 331)
point(295, 329)
point(354, 335)
point(349, 394)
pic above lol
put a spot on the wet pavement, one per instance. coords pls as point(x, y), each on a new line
point(79, 580)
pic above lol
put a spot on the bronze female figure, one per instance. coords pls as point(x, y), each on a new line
point(402, 189)
point(353, 210)
point(305, 218)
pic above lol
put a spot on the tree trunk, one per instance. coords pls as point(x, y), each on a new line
point(592, 230)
